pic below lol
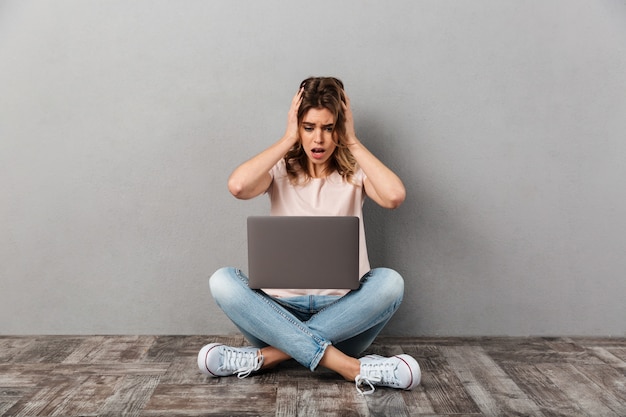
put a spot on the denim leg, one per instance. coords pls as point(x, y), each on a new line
point(358, 344)
point(259, 316)
point(252, 339)
point(305, 307)
point(351, 322)
point(359, 316)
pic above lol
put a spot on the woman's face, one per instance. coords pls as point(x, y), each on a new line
point(316, 133)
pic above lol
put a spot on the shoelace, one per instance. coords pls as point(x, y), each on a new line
point(241, 363)
point(381, 373)
point(359, 380)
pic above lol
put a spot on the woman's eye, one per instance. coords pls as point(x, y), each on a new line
point(308, 129)
point(329, 129)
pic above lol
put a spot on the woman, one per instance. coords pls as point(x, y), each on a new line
point(319, 167)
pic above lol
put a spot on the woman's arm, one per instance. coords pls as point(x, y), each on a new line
point(252, 178)
point(381, 184)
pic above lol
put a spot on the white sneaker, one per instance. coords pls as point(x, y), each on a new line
point(400, 371)
point(216, 359)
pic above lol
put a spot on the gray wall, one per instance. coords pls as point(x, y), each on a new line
point(120, 122)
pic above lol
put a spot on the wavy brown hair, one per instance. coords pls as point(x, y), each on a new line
point(322, 93)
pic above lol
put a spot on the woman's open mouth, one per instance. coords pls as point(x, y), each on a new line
point(317, 153)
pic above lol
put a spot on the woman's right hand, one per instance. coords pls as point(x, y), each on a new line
point(292, 117)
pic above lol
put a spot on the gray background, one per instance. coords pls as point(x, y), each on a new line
point(120, 122)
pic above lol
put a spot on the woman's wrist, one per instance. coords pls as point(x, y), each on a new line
point(352, 142)
point(289, 139)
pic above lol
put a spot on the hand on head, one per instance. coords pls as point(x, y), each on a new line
point(351, 138)
point(292, 116)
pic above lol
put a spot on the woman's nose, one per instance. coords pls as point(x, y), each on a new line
point(318, 137)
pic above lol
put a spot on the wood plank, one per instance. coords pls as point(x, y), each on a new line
point(440, 385)
point(80, 395)
point(88, 345)
point(447, 394)
point(610, 381)
point(12, 346)
point(475, 389)
point(387, 402)
point(10, 396)
point(429, 340)
point(563, 344)
point(581, 391)
point(119, 349)
point(619, 352)
point(183, 370)
point(417, 401)
point(491, 389)
point(618, 342)
point(23, 375)
point(111, 368)
point(39, 401)
point(47, 349)
point(130, 396)
point(287, 397)
point(537, 350)
point(606, 356)
point(212, 399)
point(328, 398)
point(551, 399)
point(167, 348)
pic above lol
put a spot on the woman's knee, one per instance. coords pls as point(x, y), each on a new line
point(390, 284)
point(222, 282)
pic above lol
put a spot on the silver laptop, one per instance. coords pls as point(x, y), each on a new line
point(303, 252)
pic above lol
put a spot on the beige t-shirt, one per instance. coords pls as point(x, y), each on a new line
point(330, 196)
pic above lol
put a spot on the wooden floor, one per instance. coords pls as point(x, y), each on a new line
point(158, 376)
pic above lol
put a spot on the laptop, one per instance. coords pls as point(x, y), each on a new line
point(303, 252)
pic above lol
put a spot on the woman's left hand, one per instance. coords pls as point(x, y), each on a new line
point(350, 132)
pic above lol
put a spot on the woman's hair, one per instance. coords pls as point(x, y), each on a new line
point(318, 93)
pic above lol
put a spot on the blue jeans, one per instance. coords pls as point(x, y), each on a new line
point(303, 327)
